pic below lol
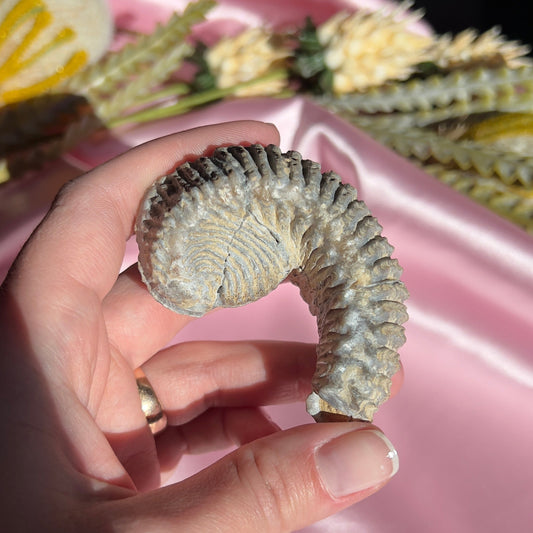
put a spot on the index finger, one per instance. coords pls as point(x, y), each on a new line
point(81, 242)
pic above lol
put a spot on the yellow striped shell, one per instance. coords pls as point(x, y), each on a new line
point(226, 230)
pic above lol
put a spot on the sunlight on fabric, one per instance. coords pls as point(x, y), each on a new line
point(495, 356)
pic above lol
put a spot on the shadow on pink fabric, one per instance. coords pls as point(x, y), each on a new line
point(463, 422)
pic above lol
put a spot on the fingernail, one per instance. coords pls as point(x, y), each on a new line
point(356, 461)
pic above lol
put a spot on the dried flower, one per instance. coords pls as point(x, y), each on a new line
point(251, 54)
point(368, 48)
point(44, 42)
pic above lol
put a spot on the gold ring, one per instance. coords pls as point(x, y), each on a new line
point(155, 416)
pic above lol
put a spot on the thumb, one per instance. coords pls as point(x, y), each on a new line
point(278, 483)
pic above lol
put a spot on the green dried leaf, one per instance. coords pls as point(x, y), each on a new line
point(308, 42)
point(309, 65)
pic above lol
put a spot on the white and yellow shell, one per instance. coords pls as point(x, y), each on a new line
point(226, 230)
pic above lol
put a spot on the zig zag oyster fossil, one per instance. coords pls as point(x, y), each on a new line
point(225, 230)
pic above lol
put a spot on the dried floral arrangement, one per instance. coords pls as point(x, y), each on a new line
point(460, 106)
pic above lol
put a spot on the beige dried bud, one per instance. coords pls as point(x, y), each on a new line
point(469, 48)
point(364, 49)
point(252, 54)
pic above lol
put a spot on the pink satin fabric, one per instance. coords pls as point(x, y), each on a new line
point(463, 422)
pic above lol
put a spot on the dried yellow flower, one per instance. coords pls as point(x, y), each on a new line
point(470, 48)
point(368, 48)
point(251, 54)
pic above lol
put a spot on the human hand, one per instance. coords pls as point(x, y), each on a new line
point(77, 452)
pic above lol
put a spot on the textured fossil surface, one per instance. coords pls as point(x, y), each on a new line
point(226, 230)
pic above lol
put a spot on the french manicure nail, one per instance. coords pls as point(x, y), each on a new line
point(356, 461)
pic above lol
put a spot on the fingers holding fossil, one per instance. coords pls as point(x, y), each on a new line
point(226, 230)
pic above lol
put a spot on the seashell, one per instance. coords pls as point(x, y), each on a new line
point(224, 231)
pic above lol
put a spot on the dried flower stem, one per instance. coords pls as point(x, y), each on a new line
point(193, 100)
point(176, 89)
point(109, 108)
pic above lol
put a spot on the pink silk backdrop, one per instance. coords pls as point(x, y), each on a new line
point(463, 422)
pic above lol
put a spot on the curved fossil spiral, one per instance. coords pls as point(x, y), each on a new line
point(226, 230)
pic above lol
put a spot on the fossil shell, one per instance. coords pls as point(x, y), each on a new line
point(226, 230)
